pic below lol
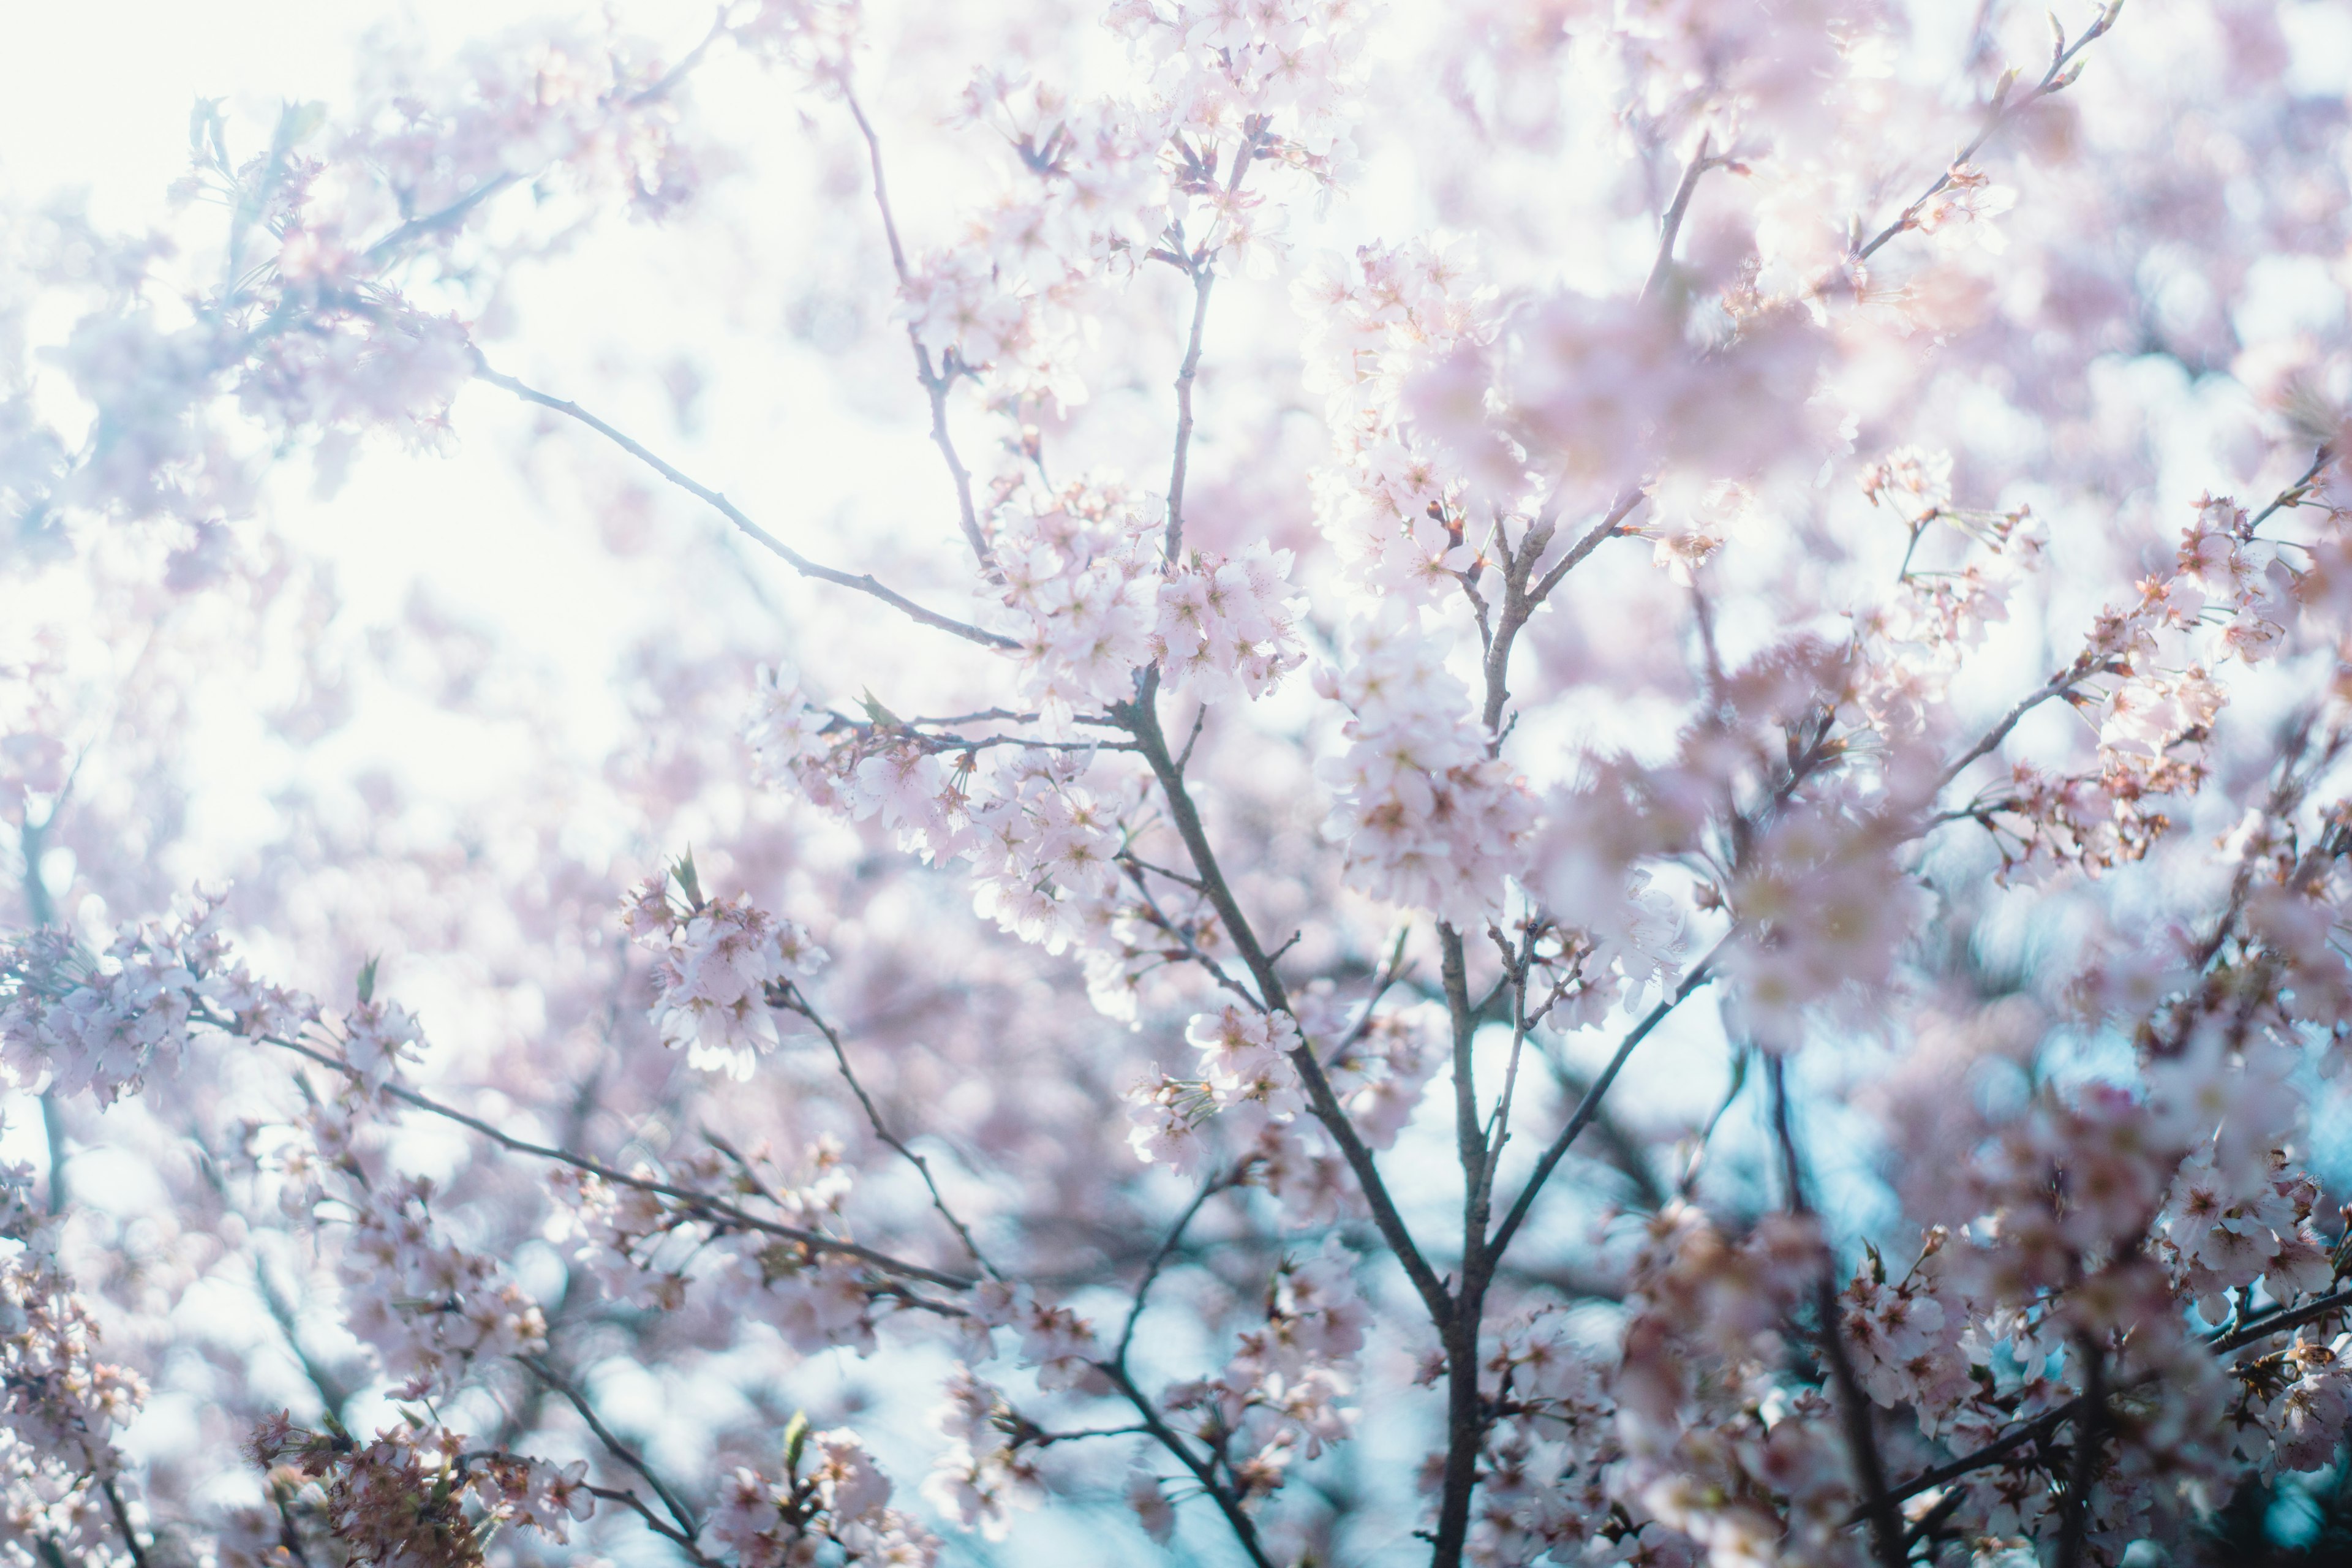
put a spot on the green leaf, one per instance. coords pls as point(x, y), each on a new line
point(297, 122)
point(796, 1435)
point(367, 979)
point(688, 881)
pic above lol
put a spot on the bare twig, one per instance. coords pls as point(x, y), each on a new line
point(936, 379)
point(799, 1004)
point(1201, 269)
point(688, 1528)
point(1701, 972)
point(1159, 1260)
point(863, 582)
point(653, 1522)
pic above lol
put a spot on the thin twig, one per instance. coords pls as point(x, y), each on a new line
point(1590, 1106)
point(936, 379)
point(1854, 1405)
point(618, 1449)
point(800, 1003)
point(702, 1204)
point(652, 1520)
point(1672, 222)
point(1167, 1248)
point(2002, 109)
point(863, 582)
point(1204, 277)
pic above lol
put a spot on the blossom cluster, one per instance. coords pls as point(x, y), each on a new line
point(716, 961)
point(1775, 997)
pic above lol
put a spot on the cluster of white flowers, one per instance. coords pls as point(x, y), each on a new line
point(1908, 1337)
point(428, 1305)
point(1225, 625)
point(831, 1491)
point(62, 1403)
point(1244, 1058)
point(1428, 817)
point(1827, 913)
point(1043, 851)
point(1551, 1446)
point(1082, 568)
point(639, 1248)
point(2225, 1228)
point(1219, 65)
point(1077, 568)
point(786, 734)
point(74, 1022)
point(1715, 1446)
point(2230, 598)
point(1056, 1344)
point(1377, 1062)
point(986, 1471)
point(716, 961)
point(1278, 1398)
point(1912, 646)
point(1389, 500)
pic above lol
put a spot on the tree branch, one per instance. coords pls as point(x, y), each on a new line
point(1854, 1405)
point(705, 1205)
point(1671, 224)
point(2057, 78)
point(1590, 1106)
point(863, 582)
point(800, 1003)
point(935, 380)
point(1142, 720)
point(1243, 1529)
point(688, 1529)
